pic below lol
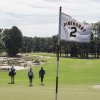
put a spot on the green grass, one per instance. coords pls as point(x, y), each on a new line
point(13, 92)
point(41, 54)
point(76, 80)
point(79, 71)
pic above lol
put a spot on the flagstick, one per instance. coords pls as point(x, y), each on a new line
point(58, 45)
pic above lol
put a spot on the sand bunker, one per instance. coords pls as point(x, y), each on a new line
point(9, 67)
point(18, 63)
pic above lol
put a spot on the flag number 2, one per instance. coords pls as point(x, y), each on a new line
point(72, 33)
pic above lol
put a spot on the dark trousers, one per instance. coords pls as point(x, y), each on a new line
point(12, 79)
point(42, 79)
point(30, 79)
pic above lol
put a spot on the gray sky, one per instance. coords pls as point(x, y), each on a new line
point(40, 17)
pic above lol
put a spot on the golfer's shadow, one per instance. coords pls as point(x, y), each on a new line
point(11, 83)
point(42, 84)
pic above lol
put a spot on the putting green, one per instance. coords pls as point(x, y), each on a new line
point(79, 92)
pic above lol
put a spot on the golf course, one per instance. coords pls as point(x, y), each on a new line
point(79, 79)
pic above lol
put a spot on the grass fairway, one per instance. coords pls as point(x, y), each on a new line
point(77, 78)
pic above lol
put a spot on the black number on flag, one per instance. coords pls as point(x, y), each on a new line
point(72, 33)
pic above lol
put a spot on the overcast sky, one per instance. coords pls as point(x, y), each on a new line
point(40, 17)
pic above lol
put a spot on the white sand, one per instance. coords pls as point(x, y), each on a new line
point(16, 67)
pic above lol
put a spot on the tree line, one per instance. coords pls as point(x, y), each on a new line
point(12, 42)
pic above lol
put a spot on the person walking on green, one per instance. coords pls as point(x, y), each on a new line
point(30, 76)
point(41, 75)
point(12, 74)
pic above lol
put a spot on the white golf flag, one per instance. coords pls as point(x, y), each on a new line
point(72, 30)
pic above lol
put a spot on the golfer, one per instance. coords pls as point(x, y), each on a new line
point(30, 76)
point(41, 74)
point(12, 74)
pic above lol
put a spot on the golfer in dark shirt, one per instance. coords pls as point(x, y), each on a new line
point(41, 74)
point(12, 74)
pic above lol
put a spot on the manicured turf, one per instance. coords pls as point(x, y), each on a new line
point(76, 80)
point(13, 92)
